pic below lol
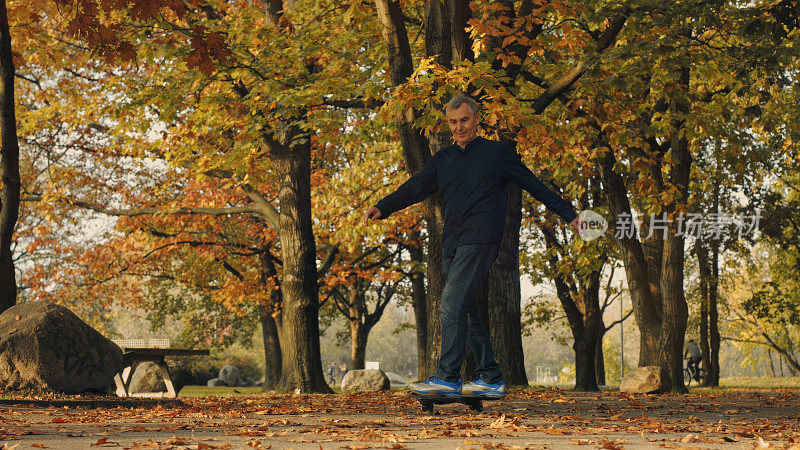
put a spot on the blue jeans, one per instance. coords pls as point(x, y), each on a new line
point(461, 324)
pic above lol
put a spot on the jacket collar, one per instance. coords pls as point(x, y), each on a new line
point(468, 146)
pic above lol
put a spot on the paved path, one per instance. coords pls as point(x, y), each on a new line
point(533, 418)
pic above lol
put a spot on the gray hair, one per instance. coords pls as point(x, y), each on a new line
point(459, 100)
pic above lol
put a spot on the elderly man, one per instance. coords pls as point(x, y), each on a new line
point(472, 178)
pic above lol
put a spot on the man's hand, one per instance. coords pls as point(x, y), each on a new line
point(576, 225)
point(372, 214)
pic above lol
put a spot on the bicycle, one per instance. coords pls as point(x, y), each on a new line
point(689, 374)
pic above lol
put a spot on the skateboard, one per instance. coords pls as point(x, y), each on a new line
point(475, 404)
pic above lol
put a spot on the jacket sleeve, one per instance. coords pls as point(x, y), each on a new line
point(416, 189)
point(513, 170)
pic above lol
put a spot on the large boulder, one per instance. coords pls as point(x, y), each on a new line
point(230, 376)
point(147, 378)
point(643, 380)
point(369, 380)
point(47, 347)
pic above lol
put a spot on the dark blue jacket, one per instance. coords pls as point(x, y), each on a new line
point(473, 183)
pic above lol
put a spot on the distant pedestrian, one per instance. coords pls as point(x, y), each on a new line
point(332, 373)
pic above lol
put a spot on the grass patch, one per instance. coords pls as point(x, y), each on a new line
point(205, 391)
point(761, 382)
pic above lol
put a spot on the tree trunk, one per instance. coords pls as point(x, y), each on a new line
point(419, 302)
point(272, 350)
point(460, 13)
point(705, 277)
point(675, 310)
point(713, 316)
point(302, 366)
point(657, 347)
point(586, 346)
point(504, 297)
point(298, 322)
point(599, 357)
point(273, 360)
point(9, 211)
point(583, 317)
point(358, 344)
point(771, 366)
point(673, 328)
point(437, 33)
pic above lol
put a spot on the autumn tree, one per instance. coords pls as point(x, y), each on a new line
point(769, 301)
point(234, 111)
point(642, 127)
point(9, 210)
point(362, 287)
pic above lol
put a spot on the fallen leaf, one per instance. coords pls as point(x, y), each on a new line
point(610, 445)
point(104, 442)
point(177, 440)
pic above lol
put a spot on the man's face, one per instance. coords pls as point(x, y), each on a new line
point(463, 124)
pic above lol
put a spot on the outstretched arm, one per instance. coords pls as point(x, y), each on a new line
point(416, 189)
point(516, 172)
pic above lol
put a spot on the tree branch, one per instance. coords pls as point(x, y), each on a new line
point(612, 324)
point(152, 211)
point(568, 79)
point(328, 262)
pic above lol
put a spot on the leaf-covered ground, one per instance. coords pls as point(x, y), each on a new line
point(530, 418)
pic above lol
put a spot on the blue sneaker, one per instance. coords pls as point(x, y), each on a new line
point(482, 389)
point(436, 387)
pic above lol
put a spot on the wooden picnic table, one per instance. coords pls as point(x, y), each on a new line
point(133, 356)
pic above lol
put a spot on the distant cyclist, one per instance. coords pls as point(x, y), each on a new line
point(694, 356)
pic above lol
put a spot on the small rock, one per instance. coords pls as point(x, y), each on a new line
point(216, 382)
point(147, 378)
point(230, 376)
point(369, 380)
point(642, 380)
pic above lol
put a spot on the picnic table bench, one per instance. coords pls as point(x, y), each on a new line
point(135, 352)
